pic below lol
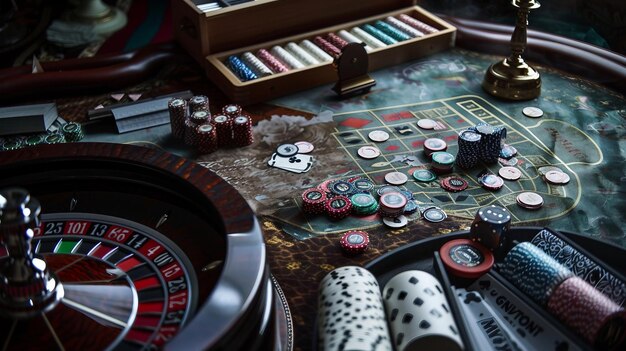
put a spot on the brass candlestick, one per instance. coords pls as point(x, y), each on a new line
point(512, 78)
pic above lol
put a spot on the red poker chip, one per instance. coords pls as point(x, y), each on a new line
point(454, 184)
point(338, 207)
point(354, 241)
point(465, 258)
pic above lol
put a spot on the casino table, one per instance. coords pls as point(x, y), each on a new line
point(581, 132)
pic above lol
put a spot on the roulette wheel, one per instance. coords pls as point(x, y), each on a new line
point(133, 249)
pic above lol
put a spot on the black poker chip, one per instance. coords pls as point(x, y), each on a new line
point(286, 150)
point(434, 214)
point(341, 187)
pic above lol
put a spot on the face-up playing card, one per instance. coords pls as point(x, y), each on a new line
point(297, 163)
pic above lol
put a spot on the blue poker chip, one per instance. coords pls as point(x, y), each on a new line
point(407, 194)
point(363, 184)
point(410, 207)
point(388, 189)
point(341, 187)
point(434, 214)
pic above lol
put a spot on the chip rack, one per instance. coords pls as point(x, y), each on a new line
point(212, 37)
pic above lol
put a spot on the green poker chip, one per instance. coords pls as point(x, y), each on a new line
point(12, 144)
point(34, 140)
point(54, 139)
point(424, 175)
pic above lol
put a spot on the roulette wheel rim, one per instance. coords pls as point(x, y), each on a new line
point(247, 322)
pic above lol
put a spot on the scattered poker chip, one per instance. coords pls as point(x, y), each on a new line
point(287, 150)
point(396, 222)
point(557, 177)
point(378, 136)
point(407, 194)
point(508, 151)
point(532, 112)
point(513, 161)
point(454, 184)
point(545, 169)
point(433, 145)
point(510, 173)
point(368, 152)
point(426, 123)
point(529, 200)
point(354, 242)
point(434, 214)
point(465, 258)
point(491, 181)
point(424, 175)
point(396, 178)
point(442, 162)
point(411, 207)
point(341, 187)
point(304, 147)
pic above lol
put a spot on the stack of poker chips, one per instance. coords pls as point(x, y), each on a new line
point(364, 204)
point(323, 48)
point(490, 142)
point(338, 207)
point(351, 315)
point(442, 162)
point(72, 131)
point(469, 149)
point(577, 304)
point(313, 201)
point(191, 121)
point(242, 131)
point(434, 145)
point(392, 204)
point(178, 113)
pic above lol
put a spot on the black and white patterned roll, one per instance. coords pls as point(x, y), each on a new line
point(351, 315)
point(286, 57)
point(581, 265)
point(198, 103)
point(533, 272)
point(490, 142)
point(315, 51)
point(256, 65)
point(178, 113)
point(418, 313)
point(301, 54)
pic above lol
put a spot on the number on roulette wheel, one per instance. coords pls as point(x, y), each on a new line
point(133, 250)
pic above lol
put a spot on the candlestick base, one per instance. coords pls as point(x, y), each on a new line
point(512, 80)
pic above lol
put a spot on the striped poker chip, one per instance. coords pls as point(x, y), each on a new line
point(313, 200)
point(378, 34)
point(341, 187)
point(533, 272)
point(417, 24)
point(336, 40)
point(454, 184)
point(589, 313)
point(240, 69)
point(271, 61)
point(354, 242)
point(338, 207)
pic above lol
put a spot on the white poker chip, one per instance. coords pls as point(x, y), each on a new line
point(426, 123)
point(304, 147)
point(396, 178)
point(532, 112)
point(368, 152)
point(378, 136)
point(397, 222)
point(510, 173)
point(286, 150)
point(529, 200)
point(557, 177)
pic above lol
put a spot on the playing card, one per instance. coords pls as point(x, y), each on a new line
point(297, 163)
